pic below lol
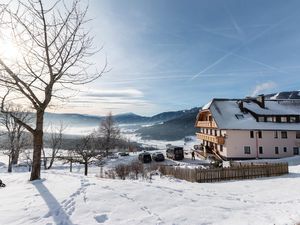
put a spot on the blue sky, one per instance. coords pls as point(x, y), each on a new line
point(167, 55)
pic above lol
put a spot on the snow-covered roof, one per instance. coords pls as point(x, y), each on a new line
point(227, 115)
point(206, 106)
point(287, 107)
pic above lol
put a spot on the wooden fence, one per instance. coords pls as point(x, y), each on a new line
point(222, 174)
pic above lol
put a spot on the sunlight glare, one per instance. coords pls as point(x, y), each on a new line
point(8, 51)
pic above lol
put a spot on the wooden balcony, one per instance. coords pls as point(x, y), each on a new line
point(206, 124)
point(220, 140)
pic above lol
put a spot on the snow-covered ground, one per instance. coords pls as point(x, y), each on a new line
point(63, 198)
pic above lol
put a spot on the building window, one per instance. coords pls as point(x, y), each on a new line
point(293, 119)
point(284, 149)
point(261, 119)
point(298, 134)
point(247, 150)
point(283, 134)
point(251, 134)
point(276, 150)
point(221, 148)
point(283, 119)
point(278, 119)
point(275, 134)
point(261, 150)
point(259, 134)
point(269, 119)
point(296, 151)
point(216, 133)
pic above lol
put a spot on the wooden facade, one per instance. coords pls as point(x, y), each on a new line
point(220, 140)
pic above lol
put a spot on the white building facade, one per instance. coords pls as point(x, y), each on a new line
point(250, 128)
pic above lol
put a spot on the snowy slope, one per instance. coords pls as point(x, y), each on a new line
point(284, 95)
point(70, 198)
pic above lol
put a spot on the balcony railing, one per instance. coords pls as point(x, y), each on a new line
point(220, 140)
point(208, 124)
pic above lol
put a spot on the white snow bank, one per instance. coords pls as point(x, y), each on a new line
point(65, 198)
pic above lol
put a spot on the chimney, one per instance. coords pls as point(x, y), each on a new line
point(261, 100)
point(241, 105)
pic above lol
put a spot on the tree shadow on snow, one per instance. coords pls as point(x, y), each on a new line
point(60, 217)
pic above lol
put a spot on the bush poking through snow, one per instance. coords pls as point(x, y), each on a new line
point(136, 167)
point(122, 171)
point(162, 169)
point(134, 170)
point(110, 174)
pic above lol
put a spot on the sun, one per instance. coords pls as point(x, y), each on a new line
point(8, 50)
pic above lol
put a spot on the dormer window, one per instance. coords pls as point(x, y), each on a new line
point(239, 116)
point(261, 119)
point(293, 119)
point(283, 119)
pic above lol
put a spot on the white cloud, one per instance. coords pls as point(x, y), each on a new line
point(102, 101)
point(125, 93)
point(263, 87)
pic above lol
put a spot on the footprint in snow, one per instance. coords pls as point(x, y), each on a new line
point(101, 218)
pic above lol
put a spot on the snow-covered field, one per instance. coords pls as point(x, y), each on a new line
point(61, 197)
point(129, 132)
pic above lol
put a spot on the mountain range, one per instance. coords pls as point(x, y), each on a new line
point(126, 118)
point(171, 125)
point(284, 95)
point(173, 129)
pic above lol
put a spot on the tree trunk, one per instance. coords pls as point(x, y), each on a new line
point(37, 146)
point(15, 157)
point(51, 162)
point(9, 168)
point(86, 168)
point(45, 159)
point(71, 165)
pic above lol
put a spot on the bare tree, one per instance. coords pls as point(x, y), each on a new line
point(15, 133)
point(109, 133)
point(85, 151)
point(28, 157)
point(53, 51)
point(55, 143)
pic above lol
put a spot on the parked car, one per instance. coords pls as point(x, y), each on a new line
point(158, 156)
point(145, 157)
point(174, 152)
point(123, 154)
